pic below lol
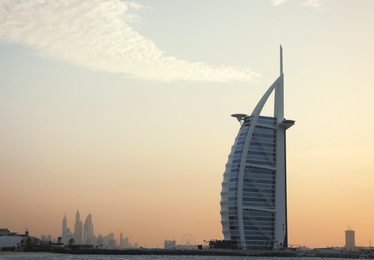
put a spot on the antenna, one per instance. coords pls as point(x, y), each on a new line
point(279, 91)
point(281, 59)
point(349, 227)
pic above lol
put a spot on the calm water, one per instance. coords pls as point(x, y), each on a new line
point(40, 256)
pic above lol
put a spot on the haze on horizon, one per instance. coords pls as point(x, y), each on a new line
point(122, 110)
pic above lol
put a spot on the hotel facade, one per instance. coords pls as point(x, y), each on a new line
point(254, 191)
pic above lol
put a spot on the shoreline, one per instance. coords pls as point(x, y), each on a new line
point(12, 253)
point(209, 252)
point(185, 252)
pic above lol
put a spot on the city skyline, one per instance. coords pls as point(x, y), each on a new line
point(83, 234)
point(122, 110)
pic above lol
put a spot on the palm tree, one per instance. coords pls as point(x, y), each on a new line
point(59, 241)
point(71, 242)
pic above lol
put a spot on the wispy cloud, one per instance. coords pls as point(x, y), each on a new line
point(98, 34)
point(313, 3)
point(278, 2)
point(310, 3)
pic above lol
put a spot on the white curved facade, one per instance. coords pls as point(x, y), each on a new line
point(253, 197)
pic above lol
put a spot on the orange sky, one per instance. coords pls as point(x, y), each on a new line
point(131, 121)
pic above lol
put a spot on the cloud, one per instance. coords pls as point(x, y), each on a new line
point(98, 34)
point(278, 2)
point(311, 3)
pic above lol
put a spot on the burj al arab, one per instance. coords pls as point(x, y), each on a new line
point(254, 187)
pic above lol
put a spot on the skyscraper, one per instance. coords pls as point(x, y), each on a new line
point(78, 229)
point(88, 234)
point(64, 230)
point(350, 244)
point(253, 197)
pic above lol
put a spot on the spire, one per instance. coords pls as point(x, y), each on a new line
point(281, 59)
point(278, 97)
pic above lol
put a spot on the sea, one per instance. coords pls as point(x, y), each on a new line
point(41, 256)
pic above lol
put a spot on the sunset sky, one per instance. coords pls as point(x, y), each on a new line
point(122, 110)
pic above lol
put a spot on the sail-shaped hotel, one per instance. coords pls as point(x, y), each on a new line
point(254, 194)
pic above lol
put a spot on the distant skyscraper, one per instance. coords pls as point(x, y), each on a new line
point(170, 244)
point(124, 242)
point(253, 197)
point(88, 234)
point(109, 240)
point(350, 244)
point(78, 229)
point(64, 230)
